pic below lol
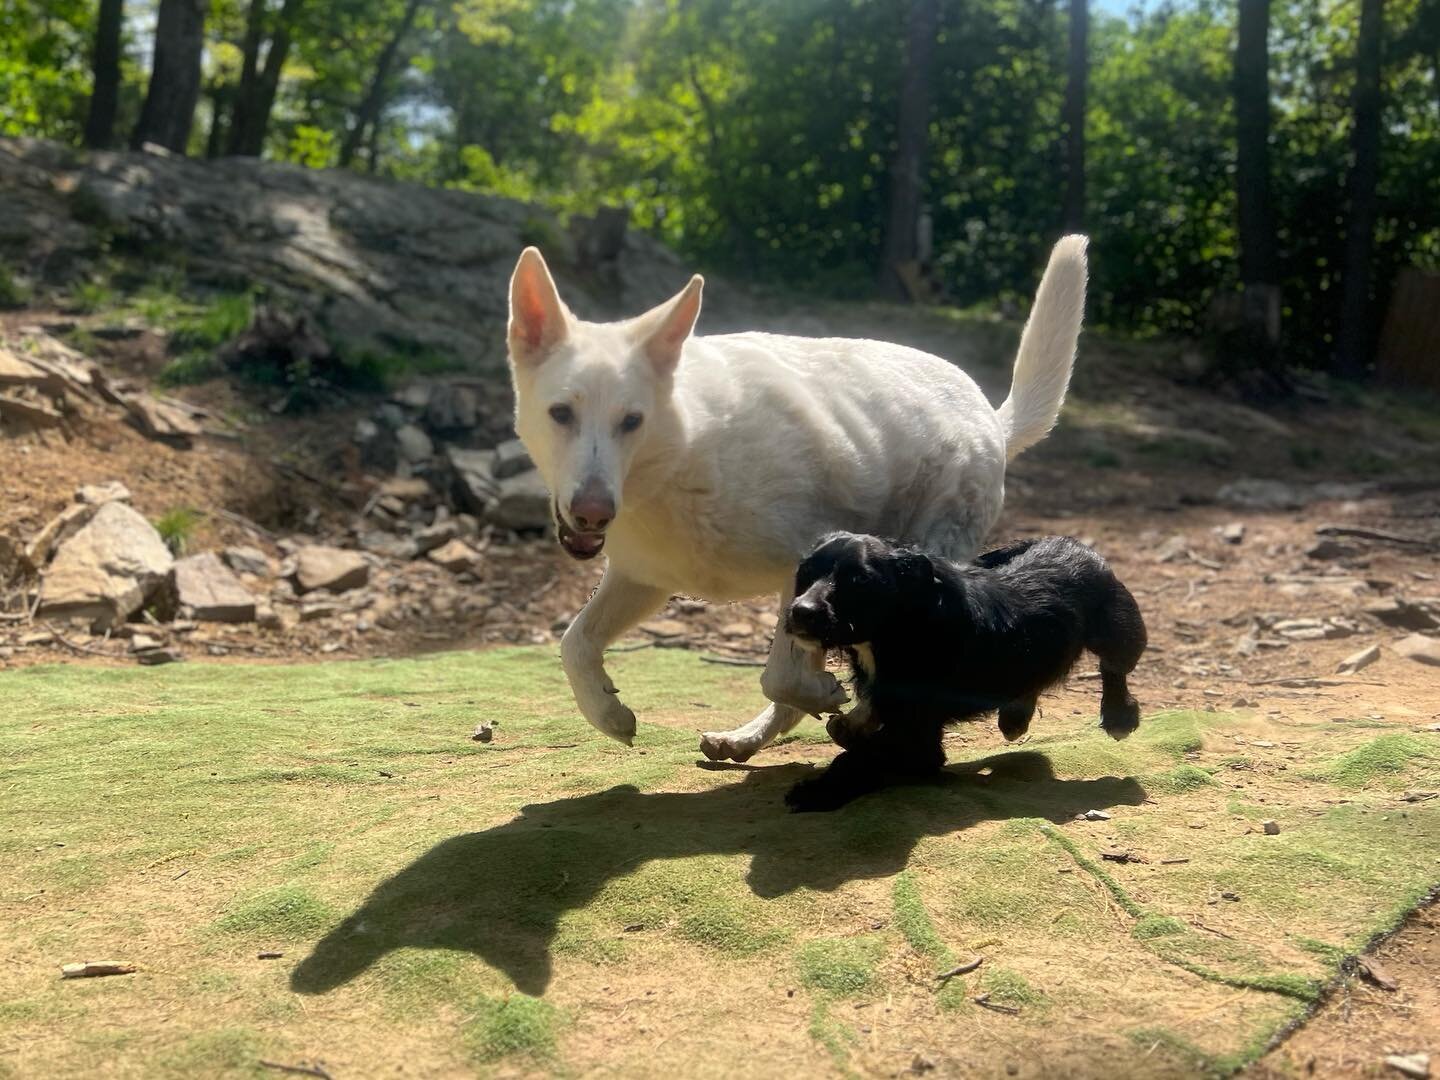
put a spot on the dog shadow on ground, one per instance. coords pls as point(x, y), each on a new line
point(500, 893)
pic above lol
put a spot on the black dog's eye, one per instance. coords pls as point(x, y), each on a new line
point(631, 422)
point(562, 414)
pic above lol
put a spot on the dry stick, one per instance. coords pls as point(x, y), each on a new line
point(302, 1070)
point(984, 999)
point(961, 969)
point(73, 646)
point(732, 661)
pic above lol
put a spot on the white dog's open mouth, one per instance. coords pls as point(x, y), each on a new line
point(577, 545)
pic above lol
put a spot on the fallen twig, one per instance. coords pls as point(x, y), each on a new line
point(1360, 532)
point(302, 1070)
point(636, 647)
point(984, 999)
point(73, 646)
point(732, 661)
point(91, 969)
point(961, 969)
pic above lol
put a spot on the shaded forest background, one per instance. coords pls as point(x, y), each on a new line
point(1258, 169)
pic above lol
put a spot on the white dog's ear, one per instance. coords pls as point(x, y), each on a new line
point(662, 331)
point(538, 320)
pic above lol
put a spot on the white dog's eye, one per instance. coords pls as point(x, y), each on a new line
point(631, 422)
point(562, 414)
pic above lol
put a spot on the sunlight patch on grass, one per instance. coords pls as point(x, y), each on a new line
point(515, 1026)
point(287, 913)
point(840, 966)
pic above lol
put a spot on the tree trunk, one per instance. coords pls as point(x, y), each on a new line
point(1076, 85)
point(220, 96)
point(907, 169)
point(174, 89)
point(1356, 335)
point(105, 97)
point(370, 106)
point(1252, 132)
point(255, 99)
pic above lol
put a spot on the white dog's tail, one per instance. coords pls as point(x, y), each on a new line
point(1047, 349)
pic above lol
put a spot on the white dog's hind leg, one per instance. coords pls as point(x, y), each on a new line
point(617, 605)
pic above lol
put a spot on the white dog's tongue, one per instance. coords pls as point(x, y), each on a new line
point(586, 545)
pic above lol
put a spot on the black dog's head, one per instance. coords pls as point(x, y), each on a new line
point(852, 588)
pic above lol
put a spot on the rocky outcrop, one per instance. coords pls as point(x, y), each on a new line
point(384, 268)
point(203, 588)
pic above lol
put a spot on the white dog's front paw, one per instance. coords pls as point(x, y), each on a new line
point(728, 746)
point(819, 694)
point(614, 718)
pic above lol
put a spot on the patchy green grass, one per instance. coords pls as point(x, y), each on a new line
point(1385, 760)
point(513, 1026)
point(450, 906)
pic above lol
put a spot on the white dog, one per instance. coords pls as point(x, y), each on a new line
point(707, 466)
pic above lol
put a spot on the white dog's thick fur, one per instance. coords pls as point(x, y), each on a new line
point(721, 459)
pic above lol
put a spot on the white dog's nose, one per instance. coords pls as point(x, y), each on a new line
point(592, 508)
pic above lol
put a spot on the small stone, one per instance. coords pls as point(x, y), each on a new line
point(737, 630)
point(1243, 703)
point(1403, 615)
point(1358, 661)
point(405, 488)
point(511, 459)
point(248, 560)
point(665, 628)
point(919, 1064)
point(1233, 533)
point(155, 657)
point(330, 568)
point(1271, 827)
point(456, 556)
point(1412, 1065)
point(1328, 549)
point(1096, 815)
point(560, 625)
point(436, 535)
point(686, 606)
point(97, 494)
point(484, 732)
point(1421, 649)
point(414, 445)
point(768, 619)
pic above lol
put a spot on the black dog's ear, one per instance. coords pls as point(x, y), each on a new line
point(914, 567)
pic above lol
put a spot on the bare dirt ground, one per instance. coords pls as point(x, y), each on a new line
point(1243, 611)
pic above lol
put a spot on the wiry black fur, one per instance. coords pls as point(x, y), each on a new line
point(954, 641)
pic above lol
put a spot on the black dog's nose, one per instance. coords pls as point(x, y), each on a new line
point(805, 614)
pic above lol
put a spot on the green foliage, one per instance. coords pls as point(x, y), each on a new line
point(1383, 760)
point(217, 321)
point(14, 293)
point(287, 913)
point(177, 527)
point(89, 297)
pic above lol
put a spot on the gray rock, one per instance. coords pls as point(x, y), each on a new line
point(203, 588)
point(452, 407)
point(108, 569)
point(1421, 649)
point(474, 488)
point(1403, 615)
point(388, 545)
point(455, 556)
point(248, 560)
point(523, 503)
point(1252, 494)
point(511, 459)
point(414, 445)
point(1328, 549)
point(333, 569)
point(100, 494)
point(436, 535)
point(1233, 533)
point(1415, 1066)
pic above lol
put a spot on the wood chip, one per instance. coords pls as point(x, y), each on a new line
point(91, 969)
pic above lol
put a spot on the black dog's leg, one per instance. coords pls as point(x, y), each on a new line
point(909, 748)
point(1118, 640)
point(849, 776)
point(1015, 717)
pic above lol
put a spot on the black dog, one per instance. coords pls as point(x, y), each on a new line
point(933, 642)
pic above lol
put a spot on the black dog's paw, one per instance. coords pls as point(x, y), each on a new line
point(1119, 721)
point(817, 796)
